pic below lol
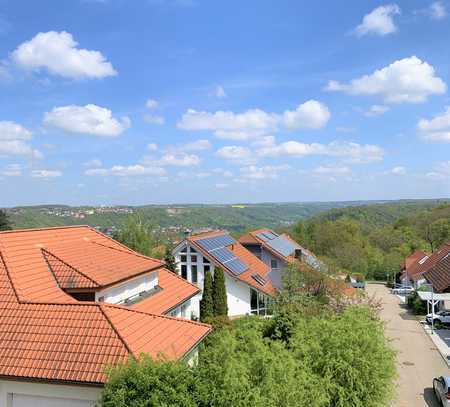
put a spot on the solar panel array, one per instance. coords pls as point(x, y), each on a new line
point(282, 245)
point(215, 246)
point(266, 236)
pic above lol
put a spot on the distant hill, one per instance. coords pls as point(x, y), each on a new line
point(235, 218)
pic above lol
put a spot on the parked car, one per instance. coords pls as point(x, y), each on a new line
point(440, 317)
point(403, 290)
point(441, 390)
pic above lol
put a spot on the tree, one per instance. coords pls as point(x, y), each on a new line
point(5, 223)
point(169, 259)
point(136, 234)
point(207, 302)
point(219, 293)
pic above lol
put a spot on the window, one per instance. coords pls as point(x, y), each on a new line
point(273, 264)
point(194, 274)
point(183, 258)
point(192, 250)
point(260, 304)
point(194, 258)
point(184, 249)
point(205, 260)
point(184, 271)
point(206, 268)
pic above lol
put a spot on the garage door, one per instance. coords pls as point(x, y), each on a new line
point(23, 400)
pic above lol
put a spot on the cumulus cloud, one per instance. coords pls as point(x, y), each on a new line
point(220, 92)
point(14, 140)
point(179, 159)
point(94, 163)
point(437, 11)
point(253, 172)
point(151, 117)
point(197, 145)
point(332, 170)
point(152, 147)
point(409, 80)
point(349, 152)
point(151, 104)
point(126, 171)
point(58, 53)
point(12, 170)
point(436, 129)
point(376, 110)
point(46, 173)
point(380, 21)
point(399, 170)
point(255, 122)
point(236, 154)
point(90, 119)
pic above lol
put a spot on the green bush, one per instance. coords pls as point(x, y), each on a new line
point(417, 306)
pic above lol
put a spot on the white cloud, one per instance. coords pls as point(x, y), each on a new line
point(154, 119)
point(349, 152)
point(437, 11)
point(255, 122)
point(436, 129)
point(220, 92)
point(46, 173)
point(376, 110)
point(332, 170)
point(13, 131)
point(399, 170)
point(441, 171)
point(380, 21)
point(90, 119)
point(202, 175)
point(221, 185)
point(151, 104)
point(58, 53)
point(126, 171)
point(152, 147)
point(14, 140)
point(237, 154)
point(179, 159)
point(224, 173)
point(408, 80)
point(197, 145)
point(12, 170)
point(94, 163)
point(253, 172)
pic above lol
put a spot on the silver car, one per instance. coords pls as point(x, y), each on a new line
point(441, 390)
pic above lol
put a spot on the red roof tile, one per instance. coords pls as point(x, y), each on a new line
point(417, 269)
point(439, 275)
point(174, 291)
point(65, 340)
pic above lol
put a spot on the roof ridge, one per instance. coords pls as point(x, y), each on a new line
point(44, 228)
point(116, 331)
point(126, 249)
point(68, 265)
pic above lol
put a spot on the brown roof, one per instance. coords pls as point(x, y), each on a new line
point(418, 269)
point(439, 275)
point(174, 291)
point(51, 336)
point(255, 266)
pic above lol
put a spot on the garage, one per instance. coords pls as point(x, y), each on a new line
point(24, 400)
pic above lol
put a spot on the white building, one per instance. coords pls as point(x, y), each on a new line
point(247, 279)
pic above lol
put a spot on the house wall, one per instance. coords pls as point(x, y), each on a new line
point(238, 293)
point(119, 293)
point(79, 393)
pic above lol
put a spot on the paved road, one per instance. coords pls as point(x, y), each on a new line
point(418, 361)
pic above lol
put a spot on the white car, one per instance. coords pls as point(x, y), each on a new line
point(403, 290)
point(441, 390)
point(441, 317)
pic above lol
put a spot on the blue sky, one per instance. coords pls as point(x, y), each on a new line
point(184, 101)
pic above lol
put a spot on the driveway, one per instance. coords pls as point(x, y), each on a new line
point(418, 361)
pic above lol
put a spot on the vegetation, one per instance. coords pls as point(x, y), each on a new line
point(5, 223)
point(169, 259)
point(219, 293)
point(374, 240)
point(207, 302)
point(329, 356)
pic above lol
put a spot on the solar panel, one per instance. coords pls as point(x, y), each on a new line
point(236, 266)
point(259, 279)
point(215, 246)
point(282, 245)
point(266, 236)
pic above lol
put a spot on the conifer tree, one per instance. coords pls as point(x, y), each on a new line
point(5, 223)
point(169, 259)
point(219, 293)
point(207, 303)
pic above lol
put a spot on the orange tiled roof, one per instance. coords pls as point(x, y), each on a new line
point(255, 266)
point(439, 275)
point(90, 253)
point(417, 269)
point(174, 291)
point(60, 339)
